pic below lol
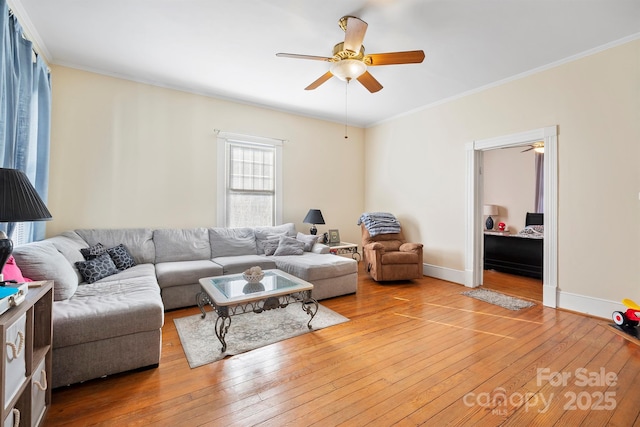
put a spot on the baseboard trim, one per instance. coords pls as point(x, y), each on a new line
point(443, 273)
point(596, 307)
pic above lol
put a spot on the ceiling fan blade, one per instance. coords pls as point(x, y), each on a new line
point(528, 149)
point(296, 56)
point(326, 76)
point(369, 82)
point(408, 57)
point(354, 34)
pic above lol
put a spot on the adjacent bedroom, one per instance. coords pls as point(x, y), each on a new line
point(513, 214)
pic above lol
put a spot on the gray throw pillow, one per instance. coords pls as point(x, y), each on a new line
point(121, 257)
point(308, 239)
point(270, 246)
point(42, 261)
point(96, 268)
point(289, 246)
point(93, 251)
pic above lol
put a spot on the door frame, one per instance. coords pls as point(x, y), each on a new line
point(474, 200)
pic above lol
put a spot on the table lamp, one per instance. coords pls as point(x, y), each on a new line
point(490, 210)
point(19, 202)
point(314, 216)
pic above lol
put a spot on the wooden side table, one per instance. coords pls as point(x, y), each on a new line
point(25, 372)
point(345, 248)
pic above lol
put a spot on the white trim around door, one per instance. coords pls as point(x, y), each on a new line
point(473, 220)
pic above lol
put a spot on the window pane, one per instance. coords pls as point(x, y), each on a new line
point(250, 209)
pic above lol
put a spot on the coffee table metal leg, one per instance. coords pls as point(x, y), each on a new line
point(310, 306)
point(202, 299)
point(222, 325)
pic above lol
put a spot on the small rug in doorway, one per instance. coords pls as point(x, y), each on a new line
point(248, 331)
point(496, 298)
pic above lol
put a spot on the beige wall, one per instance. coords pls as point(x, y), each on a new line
point(125, 154)
point(510, 183)
point(415, 166)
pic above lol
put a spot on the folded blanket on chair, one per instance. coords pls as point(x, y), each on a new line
point(379, 223)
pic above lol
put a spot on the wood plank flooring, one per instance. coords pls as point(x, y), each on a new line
point(413, 353)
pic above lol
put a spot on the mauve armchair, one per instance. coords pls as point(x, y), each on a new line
point(390, 257)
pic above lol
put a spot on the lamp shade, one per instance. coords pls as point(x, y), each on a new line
point(490, 210)
point(314, 216)
point(19, 201)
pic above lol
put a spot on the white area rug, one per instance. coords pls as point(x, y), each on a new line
point(247, 331)
point(496, 298)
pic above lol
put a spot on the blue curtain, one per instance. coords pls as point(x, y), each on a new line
point(25, 111)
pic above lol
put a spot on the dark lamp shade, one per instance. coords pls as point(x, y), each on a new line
point(314, 216)
point(19, 201)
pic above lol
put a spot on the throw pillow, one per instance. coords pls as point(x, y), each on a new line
point(289, 246)
point(11, 271)
point(97, 268)
point(93, 251)
point(121, 257)
point(270, 246)
point(42, 261)
point(308, 239)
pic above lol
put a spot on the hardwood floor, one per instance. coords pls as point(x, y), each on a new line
point(510, 284)
point(413, 353)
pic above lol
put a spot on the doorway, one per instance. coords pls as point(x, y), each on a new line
point(510, 184)
point(474, 228)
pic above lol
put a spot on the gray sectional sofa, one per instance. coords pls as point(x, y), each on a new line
point(114, 323)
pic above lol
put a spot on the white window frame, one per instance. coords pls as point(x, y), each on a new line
point(224, 139)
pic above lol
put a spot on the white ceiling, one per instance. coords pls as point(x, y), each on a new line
point(226, 48)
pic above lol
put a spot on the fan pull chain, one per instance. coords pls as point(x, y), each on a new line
point(346, 116)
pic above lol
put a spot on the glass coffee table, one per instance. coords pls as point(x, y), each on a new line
point(232, 294)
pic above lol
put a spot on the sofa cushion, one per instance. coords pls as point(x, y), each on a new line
point(312, 266)
point(137, 271)
point(96, 268)
point(139, 241)
point(185, 272)
point(69, 244)
point(232, 242)
point(289, 246)
point(272, 232)
point(104, 310)
point(187, 244)
point(43, 261)
point(121, 257)
point(238, 264)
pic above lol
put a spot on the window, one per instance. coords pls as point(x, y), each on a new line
point(249, 181)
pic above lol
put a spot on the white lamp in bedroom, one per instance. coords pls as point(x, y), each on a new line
point(489, 210)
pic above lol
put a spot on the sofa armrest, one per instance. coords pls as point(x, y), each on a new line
point(319, 248)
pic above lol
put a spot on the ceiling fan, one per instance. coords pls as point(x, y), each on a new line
point(537, 146)
point(349, 60)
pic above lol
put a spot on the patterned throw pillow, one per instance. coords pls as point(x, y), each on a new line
point(270, 246)
point(93, 251)
point(96, 268)
point(121, 257)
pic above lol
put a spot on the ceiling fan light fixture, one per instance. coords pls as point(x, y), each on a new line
point(539, 149)
point(348, 69)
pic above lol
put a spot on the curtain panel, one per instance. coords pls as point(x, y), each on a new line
point(25, 112)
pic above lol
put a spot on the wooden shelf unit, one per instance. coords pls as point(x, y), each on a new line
point(30, 394)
